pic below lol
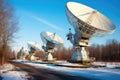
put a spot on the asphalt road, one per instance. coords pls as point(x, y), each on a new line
point(45, 74)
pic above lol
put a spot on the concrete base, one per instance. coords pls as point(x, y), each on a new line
point(49, 61)
point(80, 61)
point(80, 65)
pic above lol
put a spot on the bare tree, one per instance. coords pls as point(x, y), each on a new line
point(108, 52)
point(61, 53)
point(8, 27)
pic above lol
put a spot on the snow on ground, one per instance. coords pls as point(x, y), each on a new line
point(14, 75)
point(108, 64)
point(102, 73)
point(7, 72)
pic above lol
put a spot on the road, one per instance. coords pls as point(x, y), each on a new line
point(45, 74)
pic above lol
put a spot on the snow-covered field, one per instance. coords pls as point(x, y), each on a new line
point(8, 72)
point(110, 72)
point(108, 64)
point(102, 73)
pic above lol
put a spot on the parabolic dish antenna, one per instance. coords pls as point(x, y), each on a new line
point(87, 23)
point(51, 37)
point(51, 40)
point(34, 45)
point(24, 52)
point(88, 20)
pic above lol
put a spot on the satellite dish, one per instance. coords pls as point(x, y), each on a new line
point(51, 40)
point(88, 20)
point(51, 37)
point(24, 52)
point(87, 23)
point(33, 46)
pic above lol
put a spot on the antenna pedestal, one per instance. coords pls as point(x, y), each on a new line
point(79, 55)
point(24, 53)
point(49, 49)
point(79, 42)
point(32, 58)
point(49, 57)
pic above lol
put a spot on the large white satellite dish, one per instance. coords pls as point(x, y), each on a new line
point(51, 40)
point(87, 22)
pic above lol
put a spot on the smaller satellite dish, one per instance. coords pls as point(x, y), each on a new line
point(34, 45)
point(51, 37)
point(24, 52)
point(51, 40)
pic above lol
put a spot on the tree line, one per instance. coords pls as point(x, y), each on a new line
point(107, 52)
point(8, 28)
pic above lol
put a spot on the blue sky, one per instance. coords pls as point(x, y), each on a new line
point(36, 16)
